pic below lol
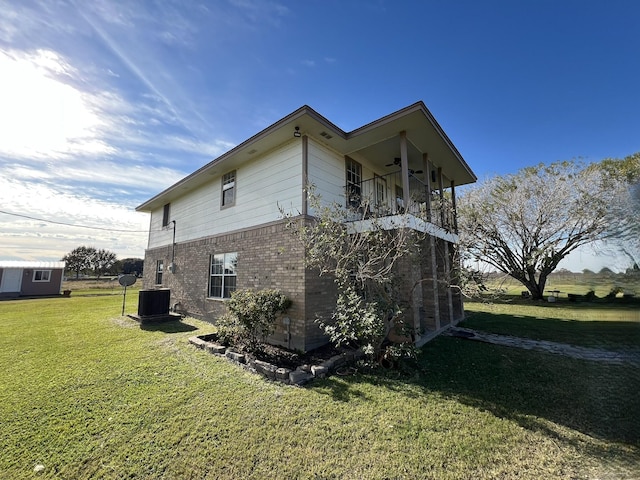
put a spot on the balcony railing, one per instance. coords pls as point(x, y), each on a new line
point(384, 196)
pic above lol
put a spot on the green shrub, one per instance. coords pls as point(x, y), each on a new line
point(229, 330)
point(356, 323)
point(256, 313)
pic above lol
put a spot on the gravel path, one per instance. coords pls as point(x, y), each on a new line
point(583, 353)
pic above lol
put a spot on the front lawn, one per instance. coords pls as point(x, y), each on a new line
point(89, 394)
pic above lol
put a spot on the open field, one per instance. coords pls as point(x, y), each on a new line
point(101, 286)
point(89, 394)
point(568, 282)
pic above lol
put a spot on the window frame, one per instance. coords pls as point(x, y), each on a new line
point(228, 182)
point(166, 214)
point(354, 182)
point(41, 279)
point(226, 289)
point(159, 273)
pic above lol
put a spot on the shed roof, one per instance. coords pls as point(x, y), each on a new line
point(26, 264)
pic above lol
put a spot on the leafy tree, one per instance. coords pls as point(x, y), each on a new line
point(524, 224)
point(622, 176)
point(362, 264)
point(101, 261)
point(116, 268)
point(79, 259)
point(133, 266)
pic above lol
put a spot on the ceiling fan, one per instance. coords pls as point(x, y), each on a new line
point(397, 160)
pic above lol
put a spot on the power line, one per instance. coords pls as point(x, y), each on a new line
point(73, 225)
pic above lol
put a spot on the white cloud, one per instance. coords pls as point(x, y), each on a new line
point(41, 116)
point(39, 238)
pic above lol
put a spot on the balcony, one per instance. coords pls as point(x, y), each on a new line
point(383, 196)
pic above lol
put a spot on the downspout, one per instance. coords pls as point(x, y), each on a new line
point(173, 247)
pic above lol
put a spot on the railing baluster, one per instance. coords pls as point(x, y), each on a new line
point(366, 200)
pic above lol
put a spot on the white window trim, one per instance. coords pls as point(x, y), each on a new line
point(42, 280)
point(159, 271)
point(227, 186)
point(222, 275)
point(166, 214)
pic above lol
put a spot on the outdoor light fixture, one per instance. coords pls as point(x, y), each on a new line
point(297, 133)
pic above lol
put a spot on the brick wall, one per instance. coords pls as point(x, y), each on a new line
point(268, 257)
point(271, 257)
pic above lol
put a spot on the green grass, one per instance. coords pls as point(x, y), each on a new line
point(567, 282)
point(615, 327)
point(89, 394)
point(102, 286)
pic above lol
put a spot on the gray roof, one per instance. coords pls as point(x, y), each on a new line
point(25, 264)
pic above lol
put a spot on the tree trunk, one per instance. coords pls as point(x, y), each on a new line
point(536, 287)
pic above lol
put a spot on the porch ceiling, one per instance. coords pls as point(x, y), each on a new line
point(380, 144)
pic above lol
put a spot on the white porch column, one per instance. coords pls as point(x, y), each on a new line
point(404, 164)
point(441, 193)
point(427, 175)
point(454, 207)
point(305, 174)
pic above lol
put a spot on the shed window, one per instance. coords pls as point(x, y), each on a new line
point(42, 275)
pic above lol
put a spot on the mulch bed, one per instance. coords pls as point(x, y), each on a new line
point(284, 357)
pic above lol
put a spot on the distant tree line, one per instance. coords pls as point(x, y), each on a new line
point(99, 262)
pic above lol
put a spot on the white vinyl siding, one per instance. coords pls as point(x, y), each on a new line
point(264, 183)
point(326, 172)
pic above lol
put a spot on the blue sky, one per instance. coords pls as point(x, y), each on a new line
point(105, 103)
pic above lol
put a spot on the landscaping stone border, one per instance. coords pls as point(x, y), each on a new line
point(300, 376)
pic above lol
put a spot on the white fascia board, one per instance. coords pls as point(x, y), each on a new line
point(394, 222)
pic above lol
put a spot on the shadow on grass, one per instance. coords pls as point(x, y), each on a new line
point(585, 330)
point(531, 388)
point(175, 326)
point(631, 303)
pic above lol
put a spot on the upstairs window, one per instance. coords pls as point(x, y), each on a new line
point(223, 274)
point(354, 183)
point(159, 271)
point(166, 211)
point(229, 189)
point(42, 275)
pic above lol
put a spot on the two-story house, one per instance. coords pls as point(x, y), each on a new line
point(221, 229)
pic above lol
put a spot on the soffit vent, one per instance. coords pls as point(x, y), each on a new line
point(252, 151)
point(326, 135)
